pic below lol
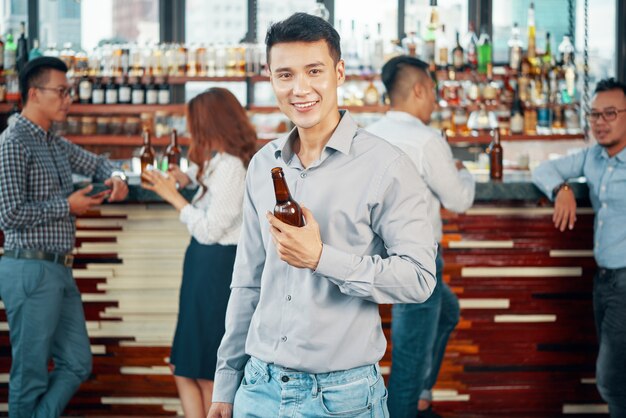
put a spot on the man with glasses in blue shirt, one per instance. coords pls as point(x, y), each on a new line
point(38, 208)
point(604, 166)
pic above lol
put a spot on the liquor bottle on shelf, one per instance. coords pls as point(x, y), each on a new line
point(111, 94)
point(286, 209)
point(547, 59)
point(67, 55)
point(352, 52)
point(138, 94)
point(146, 154)
point(35, 52)
point(371, 96)
point(411, 43)
point(22, 48)
point(495, 156)
point(152, 93)
point(85, 90)
point(458, 56)
point(1, 54)
point(124, 90)
point(531, 53)
point(430, 37)
point(443, 51)
point(10, 51)
point(172, 152)
point(378, 50)
point(515, 48)
point(517, 117)
point(484, 51)
point(164, 92)
point(97, 92)
point(566, 51)
point(471, 46)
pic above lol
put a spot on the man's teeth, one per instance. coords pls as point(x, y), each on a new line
point(304, 105)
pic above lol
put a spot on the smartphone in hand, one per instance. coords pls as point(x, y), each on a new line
point(98, 188)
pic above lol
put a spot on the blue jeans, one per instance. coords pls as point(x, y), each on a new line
point(419, 334)
point(268, 390)
point(46, 320)
point(609, 305)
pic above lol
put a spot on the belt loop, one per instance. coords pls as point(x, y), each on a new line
point(17, 253)
point(315, 387)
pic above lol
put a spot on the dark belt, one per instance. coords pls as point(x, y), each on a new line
point(64, 259)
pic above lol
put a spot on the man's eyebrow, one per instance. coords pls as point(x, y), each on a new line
point(311, 65)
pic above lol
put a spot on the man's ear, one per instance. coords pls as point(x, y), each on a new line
point(418, 90)
point(340, 69)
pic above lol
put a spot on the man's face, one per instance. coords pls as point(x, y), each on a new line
point(52, 97)
point(609, 133)
point(305, 79)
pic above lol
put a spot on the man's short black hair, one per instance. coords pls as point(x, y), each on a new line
point(609, 84)
point(393, 67)
point(303, 27)
point(35, 71)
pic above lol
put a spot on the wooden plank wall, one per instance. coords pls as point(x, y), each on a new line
point(525, 345)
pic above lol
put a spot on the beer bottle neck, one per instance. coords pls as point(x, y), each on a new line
point(281, 190)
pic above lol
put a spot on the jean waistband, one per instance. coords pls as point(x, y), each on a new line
point(604, 272)
point(371, 372)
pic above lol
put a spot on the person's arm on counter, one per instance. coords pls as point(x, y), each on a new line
point(551, 178)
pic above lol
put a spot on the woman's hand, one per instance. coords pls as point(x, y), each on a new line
point(165, 186)
point(182, 178)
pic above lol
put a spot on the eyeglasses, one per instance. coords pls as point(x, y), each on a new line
point(607, 114)
point(63, 92)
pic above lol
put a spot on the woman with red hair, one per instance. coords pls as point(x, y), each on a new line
point(222, 143)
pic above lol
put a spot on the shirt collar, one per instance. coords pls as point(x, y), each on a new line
point(37, 130)
point(621, 156)
point(340, 140)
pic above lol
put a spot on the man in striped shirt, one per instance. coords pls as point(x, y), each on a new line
point(38, 207)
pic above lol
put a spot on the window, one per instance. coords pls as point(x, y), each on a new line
point(204, 16)
point(553, 16)
point(453, 17)
point(11, 14)
point(88, 24)
point(270, 11)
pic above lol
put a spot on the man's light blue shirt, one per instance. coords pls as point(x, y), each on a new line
point(606, 178)
point(378, 247)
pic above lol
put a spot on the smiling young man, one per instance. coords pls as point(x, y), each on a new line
point(38, 207)
point(604, 166)
point(303, 330)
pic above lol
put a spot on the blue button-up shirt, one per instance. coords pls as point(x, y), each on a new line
point(35, 180)
point(606, 178)
point(378, 247)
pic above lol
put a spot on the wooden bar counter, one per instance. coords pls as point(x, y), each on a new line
point(525, 345)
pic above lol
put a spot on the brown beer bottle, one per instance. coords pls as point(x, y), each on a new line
point(495, 156)
point(286, 209)
point(172, 152)
point(147, 153)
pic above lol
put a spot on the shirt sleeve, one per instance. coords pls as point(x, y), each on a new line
point(15, 211)
point(407, 274)
point(191, 172)
point(550, 174)
point(244, 297)
point(224, 211)
point(454, 188)
point(87, 163)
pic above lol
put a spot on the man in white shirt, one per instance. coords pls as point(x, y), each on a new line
point(420, 331)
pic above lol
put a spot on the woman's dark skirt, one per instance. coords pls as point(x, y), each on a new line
point(204, 293)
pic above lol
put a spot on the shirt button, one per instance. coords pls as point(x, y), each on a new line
point(603, 188)
point(303, 174)
point(600, 223)
point(610, 168)
point(283, 339)
point(288, 298)
point(285, 379)
point(604, 205)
